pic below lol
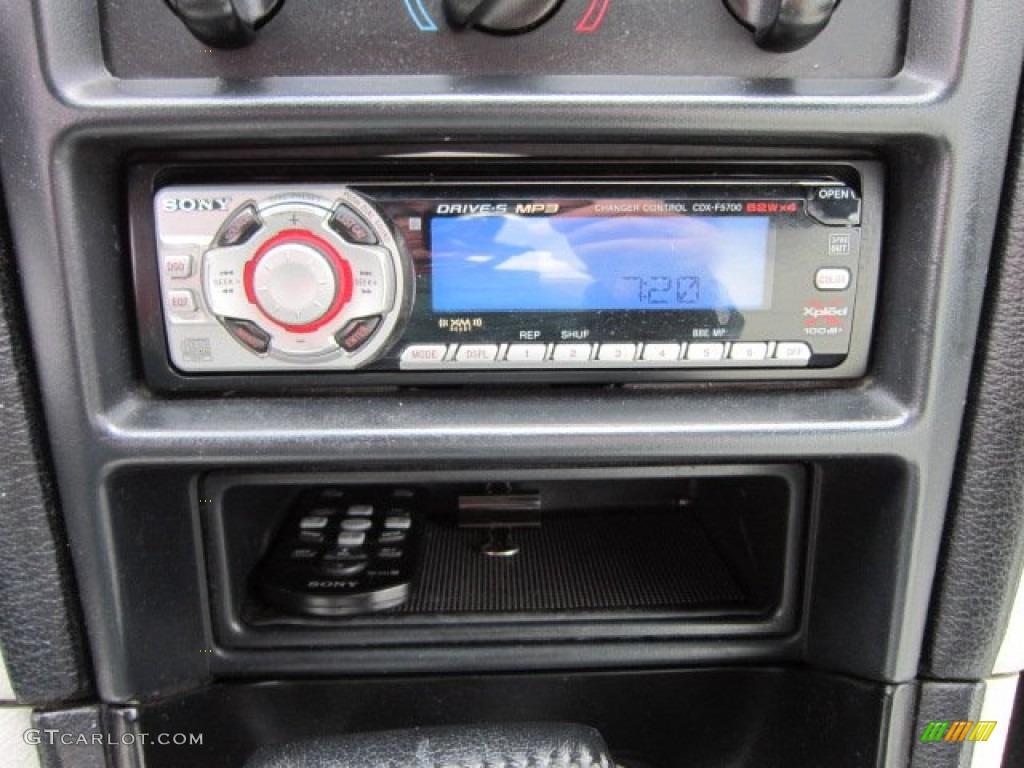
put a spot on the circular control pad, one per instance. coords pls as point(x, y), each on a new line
point(298, 280)
point(304, 277)
point(294, 284)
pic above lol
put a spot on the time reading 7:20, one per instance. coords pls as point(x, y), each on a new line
point(660, 290)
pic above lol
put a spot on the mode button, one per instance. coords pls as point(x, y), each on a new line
point(428, 355)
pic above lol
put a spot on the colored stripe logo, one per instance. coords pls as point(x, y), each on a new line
point(958, 730)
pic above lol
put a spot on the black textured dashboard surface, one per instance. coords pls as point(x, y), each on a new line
point(944, 702)
point(539, 745)
point(39, 625)
point(677, 718)
point(72, 725)
point(940, 123)
point(984, 539)
point(653, 38)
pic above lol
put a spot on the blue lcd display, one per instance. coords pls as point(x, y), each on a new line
point(508, 263)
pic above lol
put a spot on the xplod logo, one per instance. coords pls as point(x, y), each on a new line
point(817, 313)
point(958, 730)
point(825, 319)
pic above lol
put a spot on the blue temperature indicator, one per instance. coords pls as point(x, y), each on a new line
point(420, 16)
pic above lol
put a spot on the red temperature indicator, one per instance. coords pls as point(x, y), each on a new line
point(593, 17)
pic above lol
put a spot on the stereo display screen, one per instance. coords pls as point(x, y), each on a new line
point(512, 263)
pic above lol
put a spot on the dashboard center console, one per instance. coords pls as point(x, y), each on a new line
point(515, 346)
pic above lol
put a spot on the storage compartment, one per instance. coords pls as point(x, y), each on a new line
point(683, 718)
point(572, 554)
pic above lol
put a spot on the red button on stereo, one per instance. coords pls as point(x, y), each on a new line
point(357, 332)
point(298, 280)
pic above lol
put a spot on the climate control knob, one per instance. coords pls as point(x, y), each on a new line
point(500, 17)
point(783, 25)
point(225, 23)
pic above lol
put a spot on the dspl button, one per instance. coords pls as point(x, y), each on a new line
point(476, 353)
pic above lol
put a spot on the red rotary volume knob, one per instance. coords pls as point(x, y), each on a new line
point(298, 280)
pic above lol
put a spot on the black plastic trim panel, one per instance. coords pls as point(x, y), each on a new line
point(940, 125)
point(40, 624)
point(73, 738)
point(318, 37)
point(983, 545)
point(667, 718)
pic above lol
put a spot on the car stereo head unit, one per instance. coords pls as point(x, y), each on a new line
point(750, 277)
